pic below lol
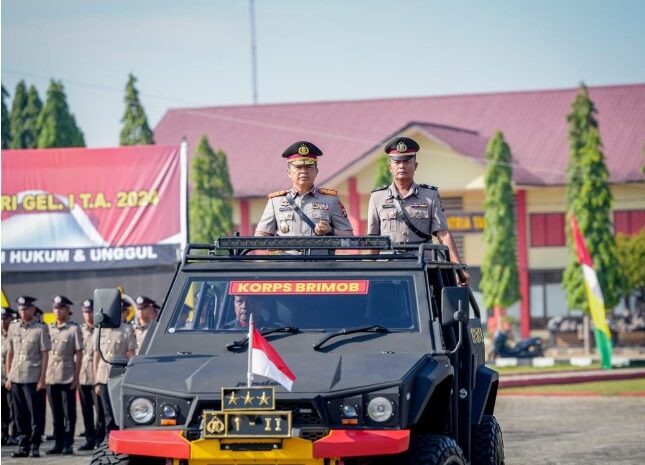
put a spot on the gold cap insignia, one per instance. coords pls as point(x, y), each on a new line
point(303, 150)
point(401, 147)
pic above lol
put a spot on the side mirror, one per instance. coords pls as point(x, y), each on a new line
point(107, 308)
point(454, 305)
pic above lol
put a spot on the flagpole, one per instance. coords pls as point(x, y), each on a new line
point(249, 375)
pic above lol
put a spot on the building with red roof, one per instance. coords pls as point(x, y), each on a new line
point(453, 132)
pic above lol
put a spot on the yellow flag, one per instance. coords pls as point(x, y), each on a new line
point(5, 301)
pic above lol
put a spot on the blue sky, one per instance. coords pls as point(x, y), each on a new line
point(197, 52)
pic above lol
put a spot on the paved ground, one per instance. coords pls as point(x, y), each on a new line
point(537, 430)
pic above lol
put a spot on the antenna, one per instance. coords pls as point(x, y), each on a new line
point(254, 79)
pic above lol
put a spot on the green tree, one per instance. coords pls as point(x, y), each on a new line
point(6, 123)
point(18, 105)
point(56, 124)
point(499, 283)
point(30, 119)
point(631, 256)
point(383, 175)
point(210, 212)
point(589, 198)
point(135, 129)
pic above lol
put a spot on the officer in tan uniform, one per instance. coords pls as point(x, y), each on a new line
point(147, 313)
point(115, 344)
point(27, 356)
point(63, 374)
point(303, 210)
point(90, 405)
point(406, 211)
point(8, 419)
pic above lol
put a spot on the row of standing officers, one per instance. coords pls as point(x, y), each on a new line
point(53, 361)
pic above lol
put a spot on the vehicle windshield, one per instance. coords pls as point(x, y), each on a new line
point(312, 304)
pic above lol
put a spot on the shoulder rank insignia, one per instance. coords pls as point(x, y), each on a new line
point(434, 188)
point(277, 194)
point(325, 191)
point(382, 188)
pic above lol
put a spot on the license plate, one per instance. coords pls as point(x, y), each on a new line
point(272, 424)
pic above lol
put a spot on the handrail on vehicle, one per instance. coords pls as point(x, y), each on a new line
point(237, 248)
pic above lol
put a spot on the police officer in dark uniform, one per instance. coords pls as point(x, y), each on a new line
point(27, 356)
point(63, 374)
point(409, 212)
point(90, 405)
point(147, 313)
point(8, 418)
point(304, 210)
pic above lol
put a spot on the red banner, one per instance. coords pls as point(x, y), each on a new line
point(85, 208)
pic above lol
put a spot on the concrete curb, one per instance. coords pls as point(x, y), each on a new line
point(569, 377)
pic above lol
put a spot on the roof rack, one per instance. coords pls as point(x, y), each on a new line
point(312, 247)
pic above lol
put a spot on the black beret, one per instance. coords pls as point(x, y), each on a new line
point(62, 301)
point(401, 148)
point(25, 300)
point(302, 151)
point(143, 301)
point(88, 305)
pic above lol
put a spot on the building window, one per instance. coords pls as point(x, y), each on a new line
point(548, 299)
point(547, 230)
point(629, 221)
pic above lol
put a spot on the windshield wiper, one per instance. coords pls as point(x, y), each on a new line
point(362, 329)
point(238, 345)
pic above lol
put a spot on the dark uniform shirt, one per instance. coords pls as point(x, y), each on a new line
point(27, 341)
point(66, 341)
point(422, 205)
point(280, 219)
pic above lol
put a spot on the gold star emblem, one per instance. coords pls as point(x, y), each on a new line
point(303, 149)
point(264, 399)
point(232, 399)
point(248, 399)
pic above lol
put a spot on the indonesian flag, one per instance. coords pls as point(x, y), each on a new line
point(265, 361)
point(594, 295)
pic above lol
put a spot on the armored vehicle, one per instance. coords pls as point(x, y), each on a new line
point(387, 353)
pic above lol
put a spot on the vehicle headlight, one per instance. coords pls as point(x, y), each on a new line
point(350, 411)
point(142, 410)
point(168, 411)
point(380, 409)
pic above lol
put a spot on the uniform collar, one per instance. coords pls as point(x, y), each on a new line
point(294, 193)
point(56, 325)
point(392, 192)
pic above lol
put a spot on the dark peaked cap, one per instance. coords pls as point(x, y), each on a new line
point(401, 148)
point(26, 300)
point(62, 301)
point(302, 151)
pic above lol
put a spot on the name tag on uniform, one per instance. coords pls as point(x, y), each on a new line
point(285, 209)
point(418, 205)
point(320, 206)
point(387, 205)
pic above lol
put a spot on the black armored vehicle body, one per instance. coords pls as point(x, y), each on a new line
point(387, 353)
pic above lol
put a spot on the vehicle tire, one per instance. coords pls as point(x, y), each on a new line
point(104, 456)
point(487, 442)
point(431, 449)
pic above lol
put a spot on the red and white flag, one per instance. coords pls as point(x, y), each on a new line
point(265, 361)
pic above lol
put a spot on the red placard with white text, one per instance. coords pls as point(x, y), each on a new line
point(79, 208)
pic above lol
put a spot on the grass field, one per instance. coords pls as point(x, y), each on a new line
point(603, 388)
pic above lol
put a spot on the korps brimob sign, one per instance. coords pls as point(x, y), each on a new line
point(78, 208)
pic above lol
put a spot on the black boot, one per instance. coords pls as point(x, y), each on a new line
point(35, 451)
point(21, 452)
point(55, 450)
point(87, 446)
